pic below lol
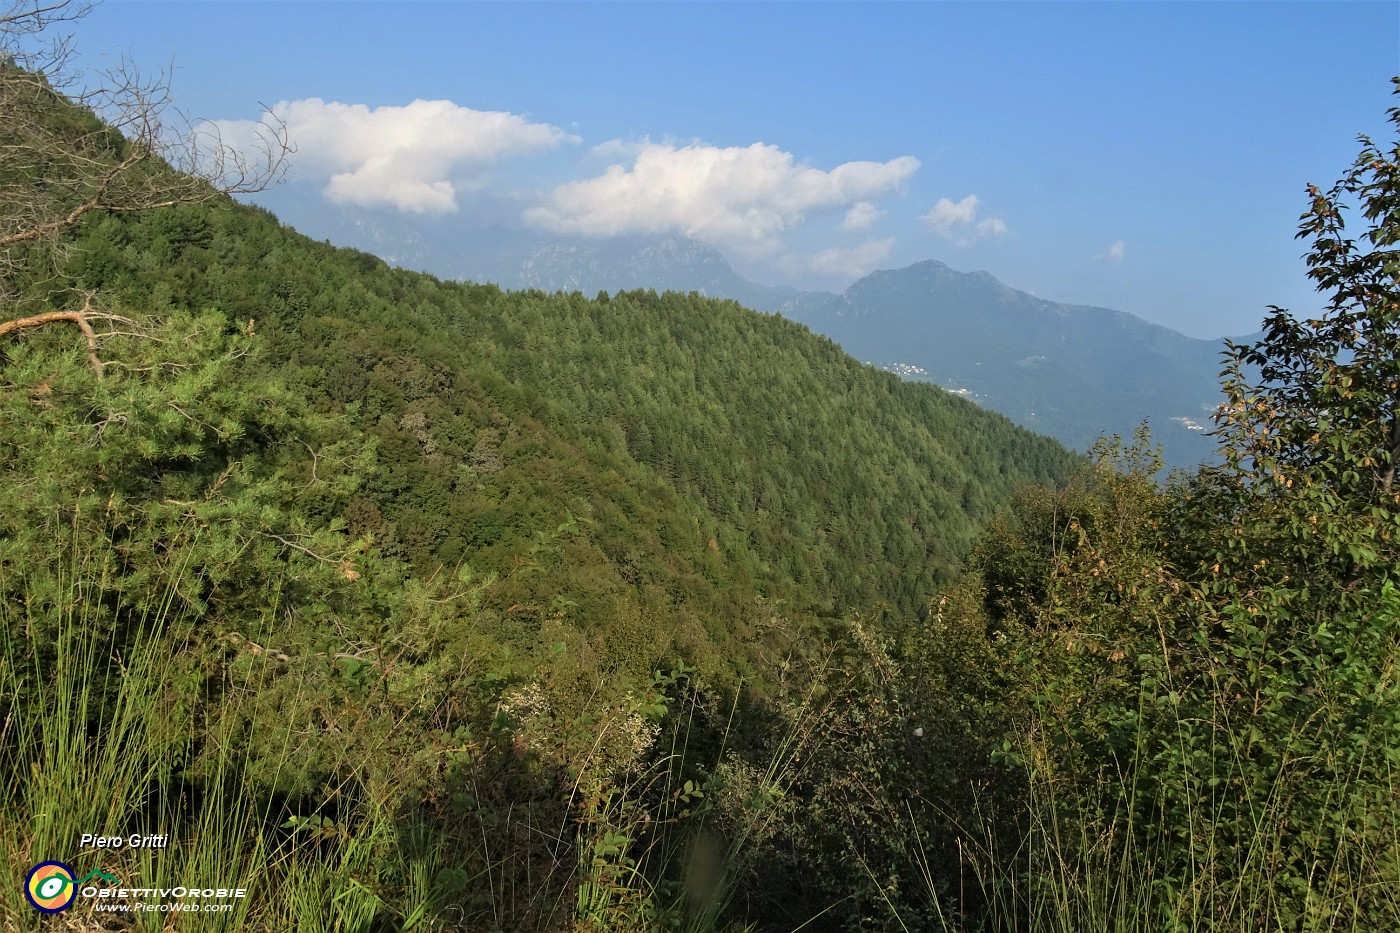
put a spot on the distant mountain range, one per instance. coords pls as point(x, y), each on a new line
point(1073, 372)
point(662, 263)
point(1070, 371)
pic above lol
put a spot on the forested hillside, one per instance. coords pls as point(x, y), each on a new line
point(713, 454)
point(1072, 372)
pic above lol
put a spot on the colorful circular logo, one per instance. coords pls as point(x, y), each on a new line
point(50, 887)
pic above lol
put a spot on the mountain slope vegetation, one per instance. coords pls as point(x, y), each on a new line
point(402, 604)
point(1072, 372)
point(768, 437)
point(354, 546)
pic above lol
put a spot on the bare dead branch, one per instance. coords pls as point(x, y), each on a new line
point(97, 202)
point(29, 16)
point(298, 547)
point(25, 19)
point(138, 154)
point(82, 319)
point(314, 461)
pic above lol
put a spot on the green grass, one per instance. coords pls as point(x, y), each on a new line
point(1095, 860)
point(121, 726)
point(100, 727)
point(126, 729)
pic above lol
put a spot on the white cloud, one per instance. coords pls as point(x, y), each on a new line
point(945, 216)
point(743, 196)
point(850, 263)
point(952, 218)
point(1114, 253)
point(403, 157)
point(620, 148)
point(861, 216)
point(992, 226)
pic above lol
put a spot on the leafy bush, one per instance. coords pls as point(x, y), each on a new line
point(1201, 710)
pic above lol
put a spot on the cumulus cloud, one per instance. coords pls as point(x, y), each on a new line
point(743, 196)
point(954, 218)
point(404, 157)
point(861, 216)
point(1114, 253)
point(946, 216)
point(992, 226)
point(850, 263)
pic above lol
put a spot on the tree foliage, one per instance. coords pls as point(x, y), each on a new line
point(1203, 676)
point(1319, 431)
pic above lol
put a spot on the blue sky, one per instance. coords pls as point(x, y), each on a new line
point(1149, 157)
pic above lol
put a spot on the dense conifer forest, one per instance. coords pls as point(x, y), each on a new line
point(403, 604)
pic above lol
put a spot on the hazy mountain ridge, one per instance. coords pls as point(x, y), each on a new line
point(671, 263)
point(505, 254)
point(1072, 371)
